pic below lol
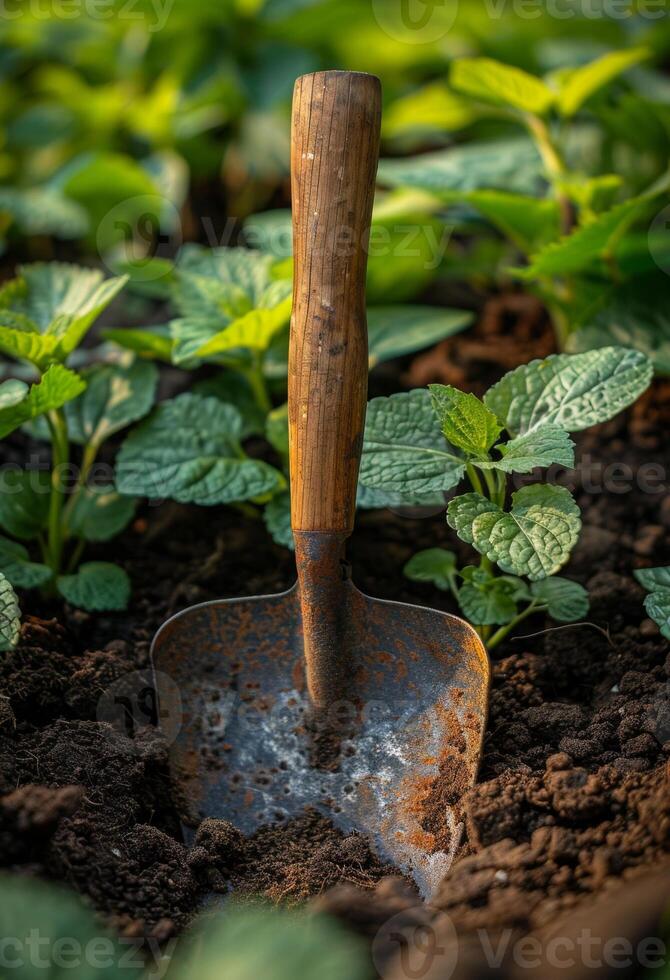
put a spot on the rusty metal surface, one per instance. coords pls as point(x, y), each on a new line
point(408, 736)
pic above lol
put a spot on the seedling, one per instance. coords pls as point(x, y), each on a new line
point(576, 237)
point(45, 314)
point(422, 442)
point(657, 603)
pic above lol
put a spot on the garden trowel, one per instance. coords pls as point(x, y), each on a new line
point(372, 712)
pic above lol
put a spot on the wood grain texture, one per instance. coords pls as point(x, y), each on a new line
point(334, 154)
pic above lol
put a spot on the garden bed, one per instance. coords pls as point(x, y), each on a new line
point(573, 795)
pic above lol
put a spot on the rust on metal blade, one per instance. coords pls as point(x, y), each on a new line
point(409, 733)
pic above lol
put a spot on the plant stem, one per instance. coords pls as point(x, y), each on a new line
point(256, 379)
point(499, 635)
point(60, 457)
point(473, 477)
point(555, 166)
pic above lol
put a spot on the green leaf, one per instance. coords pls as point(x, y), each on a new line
point(117, 193)
point(57, 386)
point(115, 396)
point(534, 538)
point(24, 502)
point(657, 605)
point(544, 446)
point(653, 578)
point(579, 84)
point(403, 449)
point(44, 211)
point(635, 316)
point(149, 342)
point(276, 429)
point(465, 421)
point(587, 246)
point(428, 110)
point(45, 314)
point(247, 942)
point(277, 518)
point(69, 933)
point(98, 586)
point(16, 566)
point(253, 331)
point(234, 388)
point(566, 601)
point(503, 85)
point(571, 391)
point(397, 330)
point(528, 222)
point(10, 616)
point(246, 270)
point(435, 565)
point(486, 599)
point(511, 165)
point(189, 450)
point(100, 513)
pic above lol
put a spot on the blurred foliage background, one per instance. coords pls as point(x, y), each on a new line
point(105, 104)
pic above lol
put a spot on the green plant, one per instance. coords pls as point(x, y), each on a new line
point(45, 314)
point(422, 442)
point(234, 306)
point(657, 603)
point(549, 194)
point(238, 943)
point(10, 615)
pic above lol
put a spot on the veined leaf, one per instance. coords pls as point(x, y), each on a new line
point(489, 600)
point(579, 84)
point(16, 566)
point(403, 449)
point(44, 211)
point(657, 605)
point(57, 386)
point(10, 615)
point(234, 388)
point(571, 391)
point(189, 451)
point(100, 513)
point(97, 586)
point(276, 429)
point(397, 330)
point(434, 565)
point(253, 331)
point(499, 84)
point(566, 601)
point(586, 246)
point(48, 310)
point(243, 269)
point(431, 108)
point(465, 421)
point(511, 165)
point(114, 397)
point(24, 502)
point(534, 538)
point(653, 578)
point(543, 446)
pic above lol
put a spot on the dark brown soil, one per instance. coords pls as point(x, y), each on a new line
point(573, 796)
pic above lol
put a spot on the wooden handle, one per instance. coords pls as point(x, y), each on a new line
point(334, 153)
